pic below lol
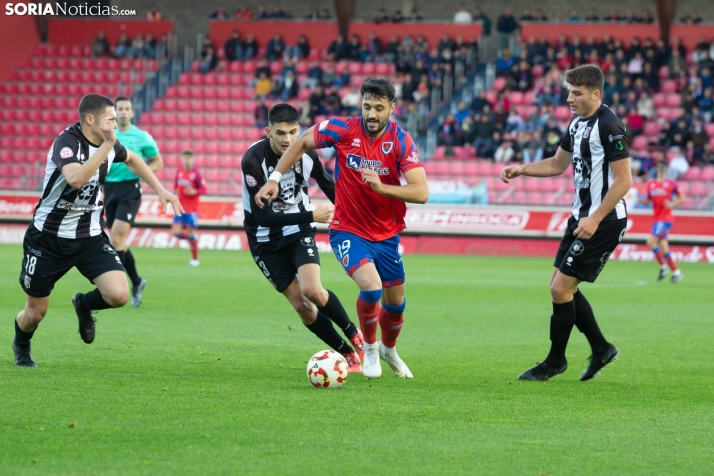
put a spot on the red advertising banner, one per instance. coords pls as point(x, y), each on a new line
point(692, 227)
point(233, 240)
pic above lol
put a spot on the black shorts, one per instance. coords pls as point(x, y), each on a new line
point(122, 201)
point(280, 266)
point(584, 259)
point(48, 257)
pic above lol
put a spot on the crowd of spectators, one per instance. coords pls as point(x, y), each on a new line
point(141, 46)
point(496, 130)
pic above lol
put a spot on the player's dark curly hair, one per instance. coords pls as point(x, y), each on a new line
point(122, 98)
point(378, 88)
point(93, 104)
point(283, 112)
point(587, 75)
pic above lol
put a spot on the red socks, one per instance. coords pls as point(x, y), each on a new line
point(670, 261)
point(193, 243)
point(367, 312)
point(391, 325)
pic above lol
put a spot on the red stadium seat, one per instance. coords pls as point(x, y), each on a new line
point(673, 100)
point(668, 86)
point(639, 142)
point(515, 97)
point(659, 99)
point(708, 173)
point(498, 84)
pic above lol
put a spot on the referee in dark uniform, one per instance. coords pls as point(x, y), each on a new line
point(67, 228)
point(597, 147)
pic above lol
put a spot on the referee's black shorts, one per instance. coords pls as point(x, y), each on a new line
point(585, 259)
point(122, 201)
point(46, 258)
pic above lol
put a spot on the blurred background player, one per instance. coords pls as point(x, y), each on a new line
point(190, 186)
point(281, 235)
point(122, 191)
point(372, 154)
point(660, 192)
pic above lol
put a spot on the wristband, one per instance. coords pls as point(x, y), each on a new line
point(275, 176)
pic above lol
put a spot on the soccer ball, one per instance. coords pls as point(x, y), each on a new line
point(327, 369)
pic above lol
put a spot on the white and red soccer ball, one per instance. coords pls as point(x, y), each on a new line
point(327, 369)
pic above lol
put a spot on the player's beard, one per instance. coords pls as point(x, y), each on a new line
point(379, 125)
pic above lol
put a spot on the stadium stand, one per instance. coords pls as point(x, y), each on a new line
point(40, 100)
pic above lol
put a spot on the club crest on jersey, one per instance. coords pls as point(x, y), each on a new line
point(387, 147)
point(586, 134)
point(109, 249)
point(356, 142)
point(27, 282)
point(307, 241)
point(298, 168)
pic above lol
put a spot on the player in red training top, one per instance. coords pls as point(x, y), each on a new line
point(660, 193)
point(372, 154)
point(190, 186)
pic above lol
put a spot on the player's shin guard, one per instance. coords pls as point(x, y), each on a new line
point(193, 243)
point(586, 323)
point(391, 319)
point(658, 255)
point(323, 328)
point(670, 261)
point(21, 337)
point(561, 323)
point(368, 311)
point(337, 314)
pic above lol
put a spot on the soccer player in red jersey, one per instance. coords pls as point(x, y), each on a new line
point(190, 186)
point(664, 194)
point(372, 154)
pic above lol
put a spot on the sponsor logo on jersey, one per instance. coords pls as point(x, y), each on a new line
point(323, 125)
point(413, 157)
point(612, 138)
point(577, 248)
point(298, 168)
point(355, 162)
point(66, 153)
point(356, 142)
point(250, 180)
point(387, 147)
point(619, 146)
point(34, 251)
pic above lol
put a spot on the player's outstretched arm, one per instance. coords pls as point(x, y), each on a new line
point(621, 185)
point(677, 201)
point(415, 191)
point(289, 158)
point(77, 175)
point(142, 170)
point(545, 168)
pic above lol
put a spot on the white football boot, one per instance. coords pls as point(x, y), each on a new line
point(390, 356)
point(194, 263)
point(371, 368)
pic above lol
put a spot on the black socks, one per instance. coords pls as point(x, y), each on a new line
point(323, 328)
point(586, 323)
point(561, 323)
point(21, 337)
point(93, 301)
point(127, 259)
point(336, 312)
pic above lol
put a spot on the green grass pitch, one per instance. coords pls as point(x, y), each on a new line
point(208, 377)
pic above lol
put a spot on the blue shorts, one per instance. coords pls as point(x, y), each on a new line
point(660, 229)
point(353, 252)
point(188, 219)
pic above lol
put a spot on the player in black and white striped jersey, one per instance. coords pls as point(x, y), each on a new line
point(67, 228)
point(281, 235)
point(597, 147)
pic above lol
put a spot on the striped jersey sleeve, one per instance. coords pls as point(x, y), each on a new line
point(330, 131)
